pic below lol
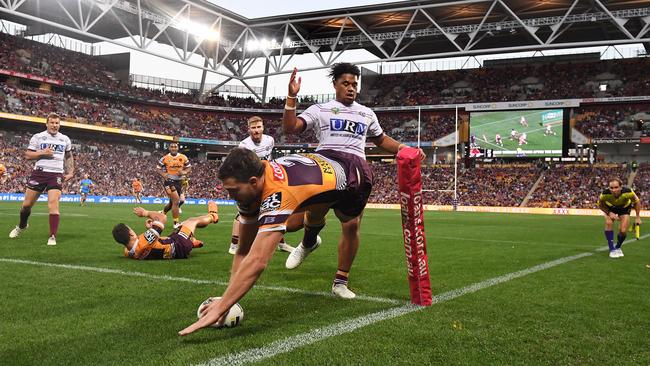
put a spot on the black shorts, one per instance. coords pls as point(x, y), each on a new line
point(174, 185)
point(620, 211)
point(41, 181)
point(353, 201)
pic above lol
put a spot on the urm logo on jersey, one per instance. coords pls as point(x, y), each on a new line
point(345, 125)
point(53, 147)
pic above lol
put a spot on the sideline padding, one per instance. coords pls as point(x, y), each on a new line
point(415, 242)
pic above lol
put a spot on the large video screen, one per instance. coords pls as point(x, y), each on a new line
point(524, 133)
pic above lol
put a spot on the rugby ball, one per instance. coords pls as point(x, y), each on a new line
point(233, 318)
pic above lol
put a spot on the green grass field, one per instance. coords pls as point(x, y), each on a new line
point(485, 125)
point(82, 303)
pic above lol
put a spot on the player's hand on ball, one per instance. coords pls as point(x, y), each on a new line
point(209, 316)
point(294, 85)
point(141, 212)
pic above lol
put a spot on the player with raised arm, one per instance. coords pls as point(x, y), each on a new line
point(150, 245)
point(54, 165)
point(136, 189)
point(342, 126)
point(617, 202)
point(86, 186)
point(267, 195)
point(262, 145)
point(173, 167)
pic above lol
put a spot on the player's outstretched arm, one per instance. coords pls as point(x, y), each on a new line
point(637, 209)
point(241, 281)
point(391, 145)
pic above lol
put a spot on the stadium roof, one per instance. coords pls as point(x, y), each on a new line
point(230, 43)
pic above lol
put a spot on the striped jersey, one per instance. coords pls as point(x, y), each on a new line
point(59, 143)
point(263, 149)
point(291, 182)
point(625, 200)
point(342, 128)
point(174, 164)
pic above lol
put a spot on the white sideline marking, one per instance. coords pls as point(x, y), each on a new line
point(346, 326)
point(43, 214)
point(190, 280)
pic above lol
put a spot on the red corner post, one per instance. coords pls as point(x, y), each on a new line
point(410, 191)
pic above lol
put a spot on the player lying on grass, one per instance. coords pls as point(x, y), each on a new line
point(150, 245)
point(267, 195)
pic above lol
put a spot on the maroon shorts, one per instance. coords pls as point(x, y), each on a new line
point(41, 181)
point(182, 242)
point(359, 182)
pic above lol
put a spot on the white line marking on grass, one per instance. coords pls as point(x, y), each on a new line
point(289, 344)
point(190, 280)
point(43, 214)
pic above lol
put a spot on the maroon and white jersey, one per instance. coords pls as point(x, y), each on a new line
point(59, 143)
point(263, 149)
point(342, 128)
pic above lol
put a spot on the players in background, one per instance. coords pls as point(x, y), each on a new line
point(136, 189)
point(616, 202)
point(262, 145)
point(173, 167)
point(514, 135)
point(185, 185)
point(522, 139)
point(523, 121)
point(150, 245)
point(54, 165)
point(267, 194)
point(85, 187)
point(3, 174)
point(342, 127)
point(548, 131)
point(497, 140)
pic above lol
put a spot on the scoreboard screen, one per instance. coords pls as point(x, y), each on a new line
point(521, 133)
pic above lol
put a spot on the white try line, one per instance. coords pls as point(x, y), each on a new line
point(289, 344)
point(43, 214)
point(190, 280)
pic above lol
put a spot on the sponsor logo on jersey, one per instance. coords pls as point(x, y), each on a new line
point(53, 147)
point(345, 125)
point(150, 236)
point(278, 173)
point(271, 202)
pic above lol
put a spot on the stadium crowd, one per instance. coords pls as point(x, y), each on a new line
point(513, 83)
point(112, 166)
point(574, 186)
point(19, 98)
